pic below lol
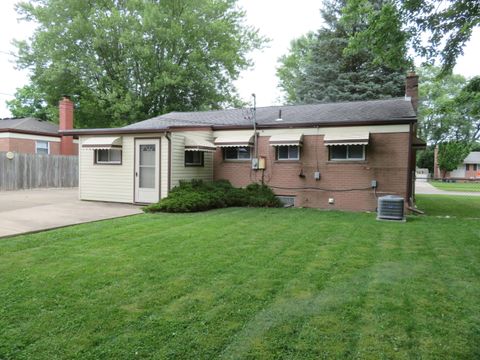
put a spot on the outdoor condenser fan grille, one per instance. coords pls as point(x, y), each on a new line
point(391, 207)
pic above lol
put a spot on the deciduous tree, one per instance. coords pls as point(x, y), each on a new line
point(127, 60)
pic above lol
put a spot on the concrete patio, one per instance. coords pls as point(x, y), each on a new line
point(41, 209)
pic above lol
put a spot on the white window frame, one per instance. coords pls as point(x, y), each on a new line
point(289, 158)
point(42, 141)
point(347, 158)
point(197, 164)
point(238, 158)
point(109, 161)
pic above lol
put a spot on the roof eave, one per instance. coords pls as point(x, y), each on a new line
point(30, 132)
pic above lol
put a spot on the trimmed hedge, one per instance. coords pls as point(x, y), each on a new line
point(198, 195)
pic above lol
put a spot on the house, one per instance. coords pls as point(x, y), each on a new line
point(468, 169)
point(332, 155)
point(35, 136)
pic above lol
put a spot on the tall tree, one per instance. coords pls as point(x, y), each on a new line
point(323, 67)
point(126, 60)
point(439, 117)
point(468, 104)
point(451, 154)
point(437, 30)
point(447, 23)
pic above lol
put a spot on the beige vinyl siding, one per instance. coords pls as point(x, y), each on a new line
point(106, 182)
point(182, 172)
point(116, 182)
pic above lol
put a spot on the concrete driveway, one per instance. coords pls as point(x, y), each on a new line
point(423, 187)
point(40, 209)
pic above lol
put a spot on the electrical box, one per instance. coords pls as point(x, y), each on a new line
point(262, 163)
point(258, 163)
point(374, 184)
point(316, 175)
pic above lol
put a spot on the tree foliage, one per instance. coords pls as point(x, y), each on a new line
point(439, 117)
point(449, 107)
point(426, 158)
point(126, 60)
point(448, 23)
point(325, 66)
point(435, 29)
point(451, 154)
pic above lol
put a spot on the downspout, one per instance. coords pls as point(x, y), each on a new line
point(409, 167)
point(169, 176)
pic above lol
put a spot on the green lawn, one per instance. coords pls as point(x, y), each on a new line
point(245, 284)
point(456, 206)
point(457, 186)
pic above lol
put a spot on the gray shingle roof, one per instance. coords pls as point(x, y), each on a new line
point(29, 125)
point(334, 113)
point(472, 158)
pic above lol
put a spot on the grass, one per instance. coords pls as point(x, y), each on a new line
point(473, 186)
point(453, 206)
point(245, 284)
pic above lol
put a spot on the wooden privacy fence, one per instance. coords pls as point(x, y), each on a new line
point(29, 171)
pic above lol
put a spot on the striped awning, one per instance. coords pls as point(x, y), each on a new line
point(103, 142)
point(346, 138)
point(234, 140)
point(195, 144)
point(286, 140)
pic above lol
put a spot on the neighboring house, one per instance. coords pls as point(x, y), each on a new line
point(324, 155)
point(468, 169)
point(35, 136)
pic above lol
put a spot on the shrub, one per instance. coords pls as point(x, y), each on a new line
point(198, 195)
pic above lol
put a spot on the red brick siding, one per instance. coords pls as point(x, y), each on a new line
point(27, 146)
point(386, 161)
point(471, 173)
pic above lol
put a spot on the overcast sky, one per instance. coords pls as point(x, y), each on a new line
point(281, 21)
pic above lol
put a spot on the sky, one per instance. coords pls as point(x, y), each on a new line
point(280, 21)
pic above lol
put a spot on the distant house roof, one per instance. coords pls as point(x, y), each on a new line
point(390, 111)
point(29, 125)
point(472, 158)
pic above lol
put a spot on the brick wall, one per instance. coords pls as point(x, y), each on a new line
point(386, 161)
point(471, 173)
point(28, 146)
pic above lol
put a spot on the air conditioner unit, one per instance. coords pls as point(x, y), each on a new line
point(391, 207)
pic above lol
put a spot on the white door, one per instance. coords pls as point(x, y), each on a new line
point(147, 170)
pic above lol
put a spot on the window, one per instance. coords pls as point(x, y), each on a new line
point(291, 152)
point(108, 156)
point(237, 153)
point(347, 152)
point(194, 158)
point(42, 147)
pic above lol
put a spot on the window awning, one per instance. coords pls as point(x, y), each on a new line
point(286, 140)
point(345, 138)
point(194, 144)
point(234, 140)
point(103, 142)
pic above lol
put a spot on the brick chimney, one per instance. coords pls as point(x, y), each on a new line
point(411, 88)
point(65, 107)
